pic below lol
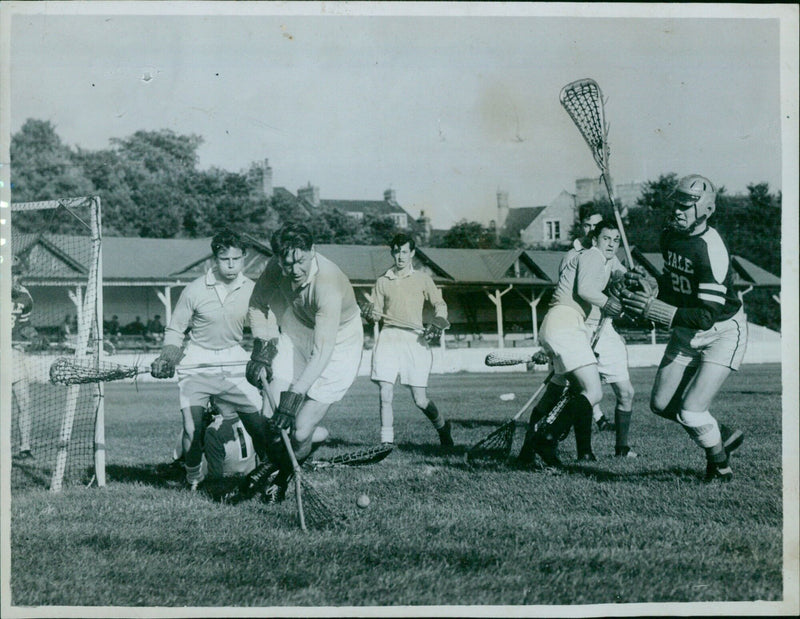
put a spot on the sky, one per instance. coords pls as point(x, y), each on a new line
point(444, 109)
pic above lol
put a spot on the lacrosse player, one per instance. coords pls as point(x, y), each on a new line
point(21, 333)
point(398, 297)
point(214, 308)
point(612, 356)
point(306, 298)
point(566, 338)
point(696, 299)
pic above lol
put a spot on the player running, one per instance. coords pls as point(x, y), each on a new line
point(306, 298)
point(695, 297)
point(399, 296)
point(213, 308)
point(612, 356)
point(22, 333)
point(566, 338)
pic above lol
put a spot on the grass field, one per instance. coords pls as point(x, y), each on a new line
point(436, 532)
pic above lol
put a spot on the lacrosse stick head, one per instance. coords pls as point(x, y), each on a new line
point(318, 513)
point(583, 101)
point(495, 448)
point(72, 371)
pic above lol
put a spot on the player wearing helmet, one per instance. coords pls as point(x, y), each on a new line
point(694, 297)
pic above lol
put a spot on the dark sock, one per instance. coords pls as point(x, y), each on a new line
point(622, 422)
point(583, 432)
point(432, 413)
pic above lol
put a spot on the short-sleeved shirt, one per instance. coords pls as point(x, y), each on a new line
point(215, 312)
point(401, 297)
point(697, 279)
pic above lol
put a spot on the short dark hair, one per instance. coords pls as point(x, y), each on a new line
point(606, 224)
point(400, 239)
point(291, 236)
point(225, 239)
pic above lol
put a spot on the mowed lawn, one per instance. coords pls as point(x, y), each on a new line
point(436, 532)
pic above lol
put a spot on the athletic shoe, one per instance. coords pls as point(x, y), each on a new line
point(275, 493)
point(587, 457)
point(445, 438)
point(604, 425)
point(625, 452)
point(731, 439)
point(718, 472)
point(25, 454)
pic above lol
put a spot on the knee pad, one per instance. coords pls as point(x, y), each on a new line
point(702, 427)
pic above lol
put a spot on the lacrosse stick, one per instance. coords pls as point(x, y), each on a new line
point(583, 101)
point(78, 371)
point(496, 359)
point(497, 446)
point(371, 455)
point(311, 508)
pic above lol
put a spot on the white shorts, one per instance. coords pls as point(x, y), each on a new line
point(342, 368)
point(566, 338)
point(611, 354)
point(19, 370)
point(723, 344)
point(227, 383)
point(404, 353)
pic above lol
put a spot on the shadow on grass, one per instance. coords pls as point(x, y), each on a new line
point(432, 450)
point(162, 475)
point(492, 424)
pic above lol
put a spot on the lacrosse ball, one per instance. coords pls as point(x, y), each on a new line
point(363, 501)
point(507, 396)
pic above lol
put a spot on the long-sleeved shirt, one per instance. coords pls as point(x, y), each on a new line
point(401, 297)
point(324, 303)
point(697, 279)
point(613, 266)
point(581, 281)
point(214, 311)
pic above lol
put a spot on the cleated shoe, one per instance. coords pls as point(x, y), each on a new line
point(718, 472)
point(731, 439)
point(625, 452)
point(275, 493)
point(445, 437)
point(604, 425)
point(587, 457)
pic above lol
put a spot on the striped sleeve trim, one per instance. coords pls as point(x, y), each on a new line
point(713, 287)
point(711, 298)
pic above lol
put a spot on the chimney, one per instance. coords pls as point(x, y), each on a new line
point(310, 194)
point(266, 179)
point(425, 223)
point(389, 196)
point(502, 212)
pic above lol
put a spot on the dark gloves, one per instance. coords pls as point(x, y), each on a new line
point(264, 353)
point(287, 410)
point(433, 331)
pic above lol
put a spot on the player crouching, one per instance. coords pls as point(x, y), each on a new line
point(696, 299)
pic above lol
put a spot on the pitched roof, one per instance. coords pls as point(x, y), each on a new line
point(520, 218)
point(373, 207)
point(475, 265)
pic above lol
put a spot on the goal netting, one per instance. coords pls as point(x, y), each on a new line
point(57, 435)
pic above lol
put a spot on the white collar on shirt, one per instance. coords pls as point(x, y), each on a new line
point(393, 274)
point(213, 280)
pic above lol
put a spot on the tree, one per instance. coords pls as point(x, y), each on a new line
point(469, 235)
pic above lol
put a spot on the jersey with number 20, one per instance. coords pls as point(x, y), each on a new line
point(697, 279)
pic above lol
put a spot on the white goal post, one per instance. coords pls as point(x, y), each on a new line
point(59, 247)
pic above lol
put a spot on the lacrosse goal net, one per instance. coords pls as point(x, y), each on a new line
point(57, 431)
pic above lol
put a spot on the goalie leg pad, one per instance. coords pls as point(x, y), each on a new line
point(702, 427)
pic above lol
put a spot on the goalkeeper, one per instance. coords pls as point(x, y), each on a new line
point(400, 295)
point(213, 308)
point(566, 338)
point(304, 302)
point(696, 299)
